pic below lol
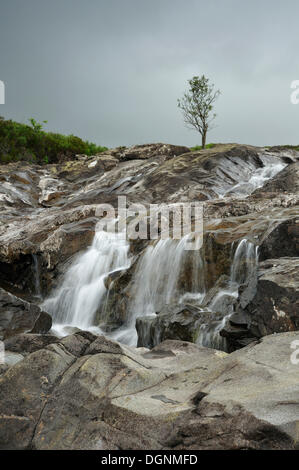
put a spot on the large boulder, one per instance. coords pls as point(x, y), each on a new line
point(19, 316)
point(176, 396)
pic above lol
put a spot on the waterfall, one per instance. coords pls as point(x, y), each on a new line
point(244, 262)
point(243, 266)
point(82, 290)
point(159, 280)
point(166, 273)
point(158, 274)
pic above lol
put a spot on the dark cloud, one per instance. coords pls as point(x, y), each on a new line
point(111, 70)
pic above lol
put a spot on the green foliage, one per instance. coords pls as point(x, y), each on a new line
point(289, 147)
point(199, 147)
point(31, 143)
point(36, 126)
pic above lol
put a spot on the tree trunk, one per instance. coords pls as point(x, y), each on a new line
point(203, 140)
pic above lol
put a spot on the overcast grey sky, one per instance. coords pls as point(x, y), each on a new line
point(111, 70)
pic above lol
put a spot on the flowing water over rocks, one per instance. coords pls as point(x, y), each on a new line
point(241, 285)
point(163, 273)
point(200, 316)
point(160, 279)
point(83, 290)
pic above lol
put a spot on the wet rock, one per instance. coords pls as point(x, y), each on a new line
point(176, 396)
point(279, 191)
point(196, 274)
point(116, 309)
point(181, 322)
point(217, 258)
point(285, 181)
point(205, 174)
point(67, 240)
point(282, 241)
point(272, 307)
point(50, 211)
point(53, 240)
point(275, 307)
point(19, 316)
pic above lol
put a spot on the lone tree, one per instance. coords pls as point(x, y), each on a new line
point(197, 105)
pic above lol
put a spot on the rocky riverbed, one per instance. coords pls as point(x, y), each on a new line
point(214, 327)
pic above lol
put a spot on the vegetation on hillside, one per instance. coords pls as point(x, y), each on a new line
point(199, 147)
point(282, 147)
point(33, 144)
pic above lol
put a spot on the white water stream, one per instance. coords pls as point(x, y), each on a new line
point(256, 179)
point(157, 280)
point(244, 264)
point(77, 300)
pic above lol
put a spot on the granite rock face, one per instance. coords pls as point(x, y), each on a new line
point(176, 396)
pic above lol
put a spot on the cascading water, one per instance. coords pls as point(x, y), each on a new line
point(156, 281)
point(244, 263)
point(160, 275)
point(255, 180)
point(157, 275)
point(243, 266)
point(76, 302)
